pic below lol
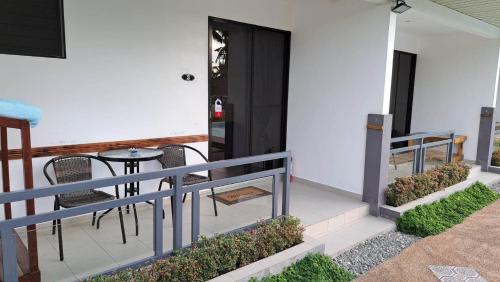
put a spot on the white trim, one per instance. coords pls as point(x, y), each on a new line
point(389, 63)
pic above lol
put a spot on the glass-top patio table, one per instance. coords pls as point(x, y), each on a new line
point(131, 159)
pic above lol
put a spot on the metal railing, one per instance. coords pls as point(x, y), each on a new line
point(419, 147)
point(7, 226)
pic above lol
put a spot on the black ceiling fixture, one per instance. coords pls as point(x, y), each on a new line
point(401, 7)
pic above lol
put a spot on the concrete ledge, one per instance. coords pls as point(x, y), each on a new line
point(476, 175)
point(274, 264)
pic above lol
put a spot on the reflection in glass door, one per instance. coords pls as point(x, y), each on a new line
point(219, 115)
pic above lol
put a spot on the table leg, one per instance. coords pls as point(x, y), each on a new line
point(125, 168)
point(138, 188)
point(132, 193)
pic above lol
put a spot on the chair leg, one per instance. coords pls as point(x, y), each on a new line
point(59, 233)
point(172, 208)
point(159, 189)
point(171, 202)
point(93, 218)
point(54, 221)
point(213, 200)
point(394, 160)
point(136, 221)
point(122, 226)
point(101, 216)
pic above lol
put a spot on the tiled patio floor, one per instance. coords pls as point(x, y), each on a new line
point(89, 251)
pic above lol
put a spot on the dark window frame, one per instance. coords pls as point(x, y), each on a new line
point(62, 40)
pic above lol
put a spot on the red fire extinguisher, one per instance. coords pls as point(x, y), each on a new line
point(218, 108)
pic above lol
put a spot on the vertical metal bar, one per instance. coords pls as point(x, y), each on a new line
point(415, 162)
point(285, 205)
point(9, 255)
point(195, 216)
point(422, 160)
point(158, 227)
point(274, 212)
point(177, 223)
point(449, 157)
point(418, 162)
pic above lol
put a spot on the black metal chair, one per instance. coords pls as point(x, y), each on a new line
point(175, 156)
point(76, 168)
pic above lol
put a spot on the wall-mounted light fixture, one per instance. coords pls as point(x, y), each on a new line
point(401, 7)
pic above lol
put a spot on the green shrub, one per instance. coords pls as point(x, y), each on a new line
point(435, 218)
point(495, 158)
point(209, 258)
point(406, 189)
point(313, 267)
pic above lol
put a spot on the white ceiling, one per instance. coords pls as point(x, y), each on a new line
point(419, 23)
point(485, 10)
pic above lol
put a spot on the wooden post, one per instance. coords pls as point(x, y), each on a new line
point(28, 184)
point(5, 170)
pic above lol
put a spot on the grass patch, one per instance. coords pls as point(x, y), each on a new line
point(437, 217)
point(209, 258)
point(314, 267)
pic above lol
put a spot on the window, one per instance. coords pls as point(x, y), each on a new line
point(32, 28)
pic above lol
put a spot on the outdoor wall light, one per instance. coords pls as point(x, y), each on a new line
point(401, 7)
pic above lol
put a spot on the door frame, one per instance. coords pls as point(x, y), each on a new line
point(286, 74)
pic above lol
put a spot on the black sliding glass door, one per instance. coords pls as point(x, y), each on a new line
point(248, 80)
point(403, 80)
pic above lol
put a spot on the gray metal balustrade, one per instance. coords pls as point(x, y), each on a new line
point(419, 148)
point(7, 226)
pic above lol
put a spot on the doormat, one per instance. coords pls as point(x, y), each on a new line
point(240, 195)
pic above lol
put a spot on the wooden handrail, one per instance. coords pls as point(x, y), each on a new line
point(49, 151)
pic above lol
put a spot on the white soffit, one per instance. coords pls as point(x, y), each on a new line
point(485, 10)
point(456, 19)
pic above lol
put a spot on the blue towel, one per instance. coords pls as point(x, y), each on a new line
point(19, 110)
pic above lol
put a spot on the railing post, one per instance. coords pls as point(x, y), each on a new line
point(485, 138)
point(423, 151)
point(285, 205)
point(274, 211)
point(177, 222)
point(195, 216)
point(449, 157)
point(158, 227)
point(377, 153)
point(9, 255)
point(417, 157)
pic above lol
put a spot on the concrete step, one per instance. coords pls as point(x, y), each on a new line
point(336, 222)
point(343, 239)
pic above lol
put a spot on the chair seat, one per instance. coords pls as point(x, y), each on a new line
point(190, 179)
point(72, 200)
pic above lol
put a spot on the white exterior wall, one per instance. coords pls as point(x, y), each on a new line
point(339, 61)
point(456, 75)
point(122, 77)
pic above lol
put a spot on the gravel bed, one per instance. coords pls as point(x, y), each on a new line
point(495, 187)
point(372, 252)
